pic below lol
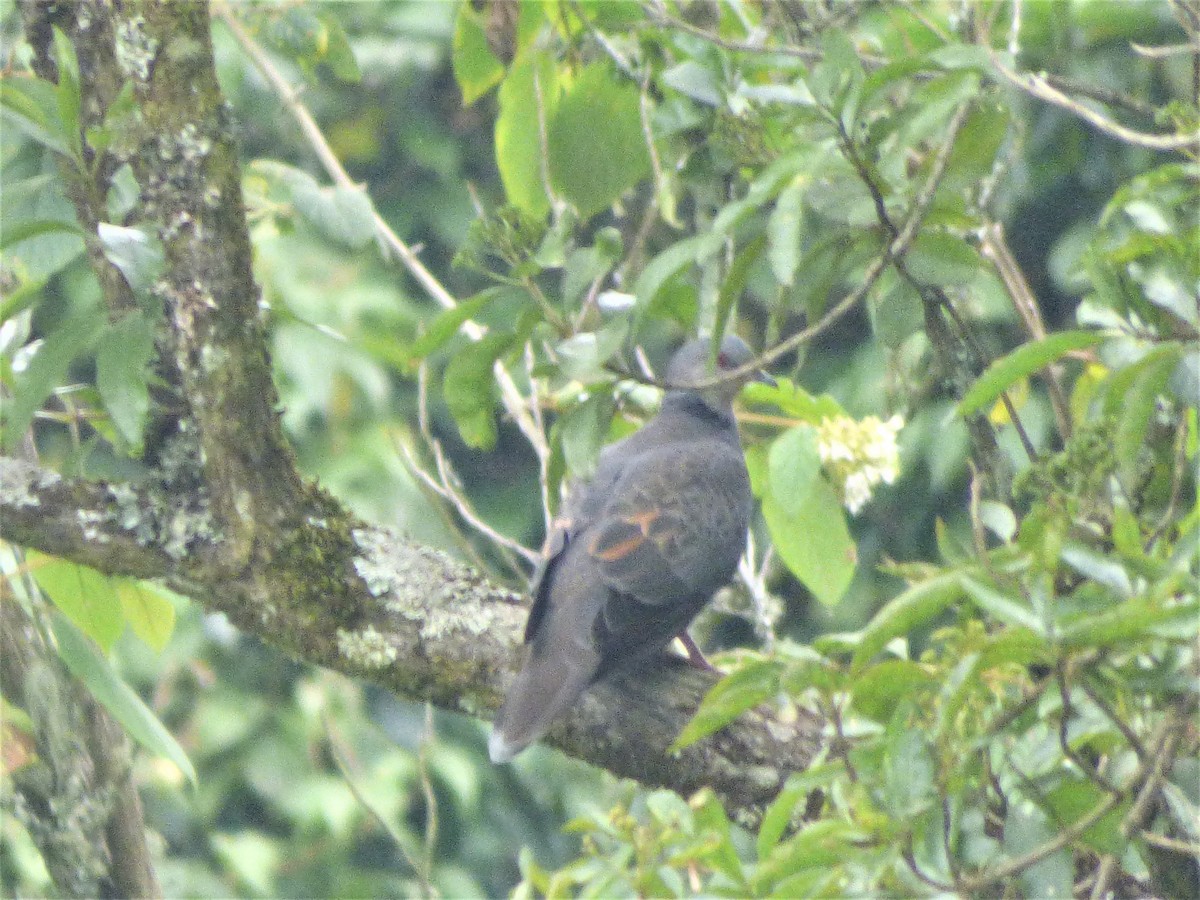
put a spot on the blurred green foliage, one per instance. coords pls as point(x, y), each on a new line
point(997, 668)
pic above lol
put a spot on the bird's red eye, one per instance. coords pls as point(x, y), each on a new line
point(724, 361)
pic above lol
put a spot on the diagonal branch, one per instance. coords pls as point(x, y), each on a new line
point(371, 604)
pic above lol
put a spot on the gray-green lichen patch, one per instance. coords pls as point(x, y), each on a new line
point(22, 483)
point(367, 648)
point(135, 49)
point(425, 585)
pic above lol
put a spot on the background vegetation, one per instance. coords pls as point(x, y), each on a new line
point(886, 199)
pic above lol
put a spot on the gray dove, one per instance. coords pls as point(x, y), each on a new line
point(639, 550)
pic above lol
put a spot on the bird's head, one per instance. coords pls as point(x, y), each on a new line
point(694, 367)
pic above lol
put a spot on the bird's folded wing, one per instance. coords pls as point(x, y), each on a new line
point(674, 525)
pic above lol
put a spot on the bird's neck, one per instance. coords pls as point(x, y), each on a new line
point(716, 413)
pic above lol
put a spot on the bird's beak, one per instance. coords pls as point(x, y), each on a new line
point(763, 378)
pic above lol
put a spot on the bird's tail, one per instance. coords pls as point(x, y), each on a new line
point(545, 688)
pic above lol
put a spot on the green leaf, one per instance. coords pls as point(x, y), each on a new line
point(468, 389)
point(138, 255)
point(815, 542)
point(1101, 569)
point(1133, 620)
point(86, 664)
point(476, 68)
point(662, 268)
point(1137, 405)
point(794, 468)
point(937, 257)
point(68, 92)
point(31, 105)
point(122, 362)
point(31, 228)
point(780, 813)
point(824, 844)
point(692, 79)
point(1026, 828)
point(85, 596)
point(582, 431)
point(343, 214)
point(784, 229)
point(148, 609)
point(1009, 610)
point(1073, 798)
point(729, 698)
point(1020, 363)
point(446, 323)
point(338, 55)
point(518, 140)
point(877, 691)
point(895, 312)
point(913, 608)
point(48, 370)
point(592, 166)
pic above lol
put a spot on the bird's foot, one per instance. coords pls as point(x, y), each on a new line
point(694, 657)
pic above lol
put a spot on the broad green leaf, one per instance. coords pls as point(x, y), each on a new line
point(895, 311)
point(583, 355)
point(1020, 363)
point(729, 698)
point(794, 401)
point(122, 361)
point(913, 608)
point(592, 166)
point(48, 370)
point(518, 138)
point(784, 230)
point(710, 819)
point(148, 610)
point(86, 664)
point(84, 595)
point(815, 542)
point(794, 468)
point(138, 255)
point(468, 389)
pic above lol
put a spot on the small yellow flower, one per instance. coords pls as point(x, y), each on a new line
point(859, 455)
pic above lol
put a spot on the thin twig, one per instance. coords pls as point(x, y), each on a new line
point(1111, 714)
point(995, 247)
point(1038, 86)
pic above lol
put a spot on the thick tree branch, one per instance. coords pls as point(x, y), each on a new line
point(366, 602)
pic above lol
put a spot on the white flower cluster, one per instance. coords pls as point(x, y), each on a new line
point(859, 455)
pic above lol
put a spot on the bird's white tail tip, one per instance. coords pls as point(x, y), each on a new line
point(500, 750)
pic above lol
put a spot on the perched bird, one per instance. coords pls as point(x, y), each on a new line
point(639, 550)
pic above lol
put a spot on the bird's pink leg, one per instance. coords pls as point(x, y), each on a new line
point(694, 656)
